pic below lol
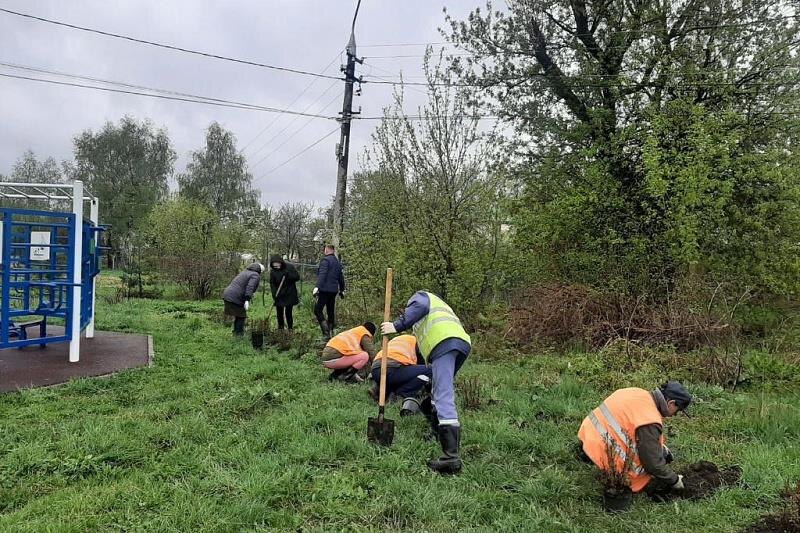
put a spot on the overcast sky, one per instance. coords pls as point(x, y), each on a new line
point(301, 34)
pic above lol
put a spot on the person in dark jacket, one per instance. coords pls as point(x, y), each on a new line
point(283, 278)
point(330, 282)
point(238, 294)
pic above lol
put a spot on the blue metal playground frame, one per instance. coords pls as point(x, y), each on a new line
point(38, 276)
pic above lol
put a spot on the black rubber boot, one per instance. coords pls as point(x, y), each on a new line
point(374, 393)
point(429, 410)
point(238, 326)
point(351, 376)
point(326, 331)
point(337, 374)
point(409, 407)
point(450, 461)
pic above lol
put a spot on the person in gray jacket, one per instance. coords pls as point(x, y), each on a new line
point(239, 292)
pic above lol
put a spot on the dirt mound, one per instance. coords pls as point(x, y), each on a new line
point(786, 520)
point(704, 478)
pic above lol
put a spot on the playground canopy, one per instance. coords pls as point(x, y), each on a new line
point(49, 263)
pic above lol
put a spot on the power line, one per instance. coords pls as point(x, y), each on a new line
point(593, 85)
point(167, 95)
point(275, 120)
point(290, 137)
point(298, 154)
point(295, 118)
point(430, 117)
point(698, 27)
point(169, 46)
point(404, 44)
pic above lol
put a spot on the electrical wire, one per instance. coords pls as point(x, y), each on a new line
point(294, 119)
point(596, 85)
point(298, 154)
point(300, 95)
point(169, 46)
point(290, 137)
point(168, 95)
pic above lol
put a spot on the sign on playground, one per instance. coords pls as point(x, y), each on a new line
point(40, 253)
point(37, 253)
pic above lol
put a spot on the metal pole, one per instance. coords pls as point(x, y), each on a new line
point(77, 261)
point(94, 216)
point(343, 148)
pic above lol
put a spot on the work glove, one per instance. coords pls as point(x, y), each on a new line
point(246, 306)
point(679, 486)
point(315, 291)
point(341, 295)
point(387, 328)
point(668, 457)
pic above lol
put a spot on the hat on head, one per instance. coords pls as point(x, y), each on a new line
point(673, 390)
point(370, 327)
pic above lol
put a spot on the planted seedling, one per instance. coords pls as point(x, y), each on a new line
point(616, 478)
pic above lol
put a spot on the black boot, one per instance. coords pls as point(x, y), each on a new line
point(374, 393)
point(238, 326)
point(326, 331)
point(409, 407)
point(450, 461)
point(429, 410)
point(351, 376)
point(337, 374)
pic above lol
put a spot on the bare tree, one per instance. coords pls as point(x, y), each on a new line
point(290, 222)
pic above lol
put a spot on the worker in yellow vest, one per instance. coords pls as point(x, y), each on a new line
point(406, 373)
point(445, 344)
point(348, 352)
point(631, 420)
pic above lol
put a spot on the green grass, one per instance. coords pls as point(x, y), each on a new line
point(216, 437)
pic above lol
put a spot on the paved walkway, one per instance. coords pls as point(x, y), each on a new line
point(105, 354)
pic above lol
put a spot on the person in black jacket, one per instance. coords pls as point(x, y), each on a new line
point(237, 295)
point(283, 278)
point(330, 281)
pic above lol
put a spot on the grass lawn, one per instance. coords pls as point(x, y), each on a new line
point(217, 437)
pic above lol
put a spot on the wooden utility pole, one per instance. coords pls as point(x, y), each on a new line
point(343, 148)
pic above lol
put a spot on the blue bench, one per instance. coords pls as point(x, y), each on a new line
point(20, 329)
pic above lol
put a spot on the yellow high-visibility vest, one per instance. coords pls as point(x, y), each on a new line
point(439, 324)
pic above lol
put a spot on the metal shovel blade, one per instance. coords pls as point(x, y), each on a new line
point(380, 430)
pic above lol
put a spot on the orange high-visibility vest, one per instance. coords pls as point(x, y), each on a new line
point(349, 342)
point(402, 349)
point(616, 421)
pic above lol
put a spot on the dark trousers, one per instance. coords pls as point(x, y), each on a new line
point(404, 381)
point(238, 325)
point(284, 313)
point(327, 301)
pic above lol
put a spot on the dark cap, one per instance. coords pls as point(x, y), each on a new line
point(673, 390)
point(370, 327)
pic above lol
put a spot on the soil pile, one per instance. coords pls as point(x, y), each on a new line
point(704, 478)
point(786, 520)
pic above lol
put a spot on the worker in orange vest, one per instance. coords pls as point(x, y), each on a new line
point(348, 352)
point(406, 373)
point(631, 421)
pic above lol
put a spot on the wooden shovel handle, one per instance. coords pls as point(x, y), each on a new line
point(387, 311)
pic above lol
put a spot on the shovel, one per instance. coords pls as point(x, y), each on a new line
point(380, 430)
point(277, 293)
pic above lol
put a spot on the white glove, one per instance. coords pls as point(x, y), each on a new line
point(388, 327)
point(314, 292)
point(246, 306)
point(679, 484)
